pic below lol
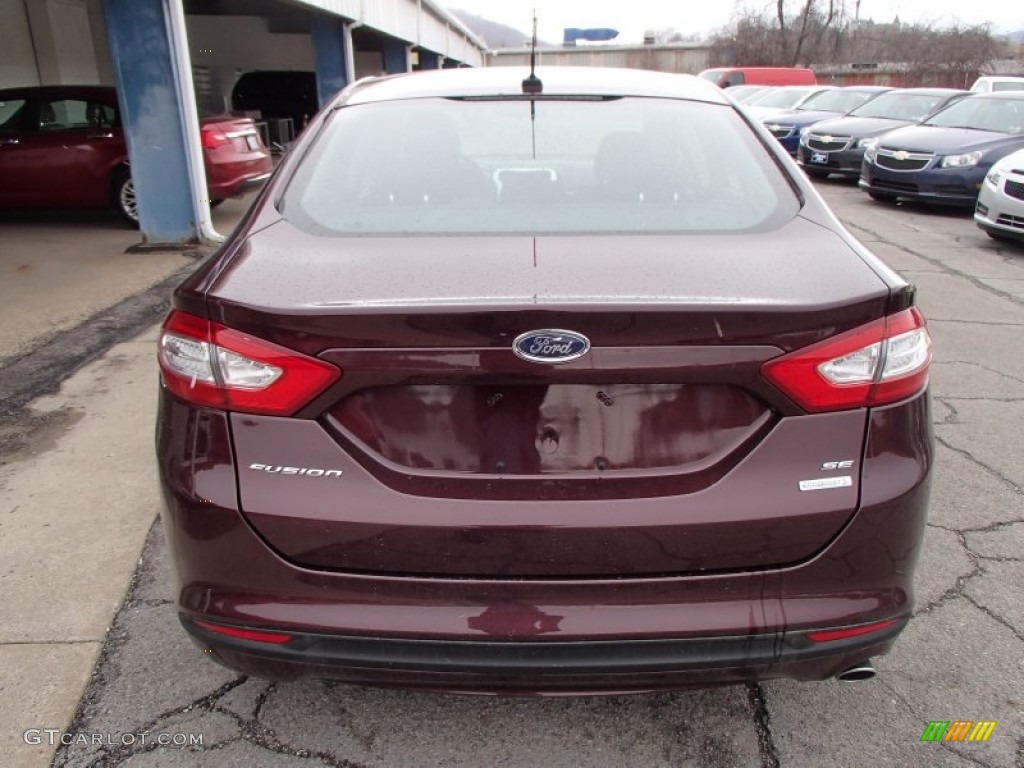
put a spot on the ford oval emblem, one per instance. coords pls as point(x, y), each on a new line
point(551, 346)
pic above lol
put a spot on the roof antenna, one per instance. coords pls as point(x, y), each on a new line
point(532, 84)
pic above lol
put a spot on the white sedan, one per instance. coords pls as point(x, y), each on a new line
point(1000, 207)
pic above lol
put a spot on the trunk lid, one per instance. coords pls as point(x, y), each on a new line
point(661, 451)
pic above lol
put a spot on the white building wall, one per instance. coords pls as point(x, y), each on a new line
point(17, 59)
point(74, 57)
point(42, 43)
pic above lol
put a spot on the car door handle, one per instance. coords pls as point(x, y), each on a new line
point(9, 141)
point(100, 136)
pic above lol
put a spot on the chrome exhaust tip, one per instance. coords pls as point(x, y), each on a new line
point(863, 671)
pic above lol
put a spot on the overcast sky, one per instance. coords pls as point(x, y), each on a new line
point(632, 17)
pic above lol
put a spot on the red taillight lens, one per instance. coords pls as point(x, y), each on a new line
point(209, 364)
point(212, 138)
point(882, 362)
point(256, 636)
point(829, 635)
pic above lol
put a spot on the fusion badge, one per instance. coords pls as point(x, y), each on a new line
point(274, 469)
point(551, 346)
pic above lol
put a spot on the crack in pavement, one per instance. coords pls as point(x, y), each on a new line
point(762, 725)
point(994, 616)
point(962, 321)
point(959, 588)
point(117, 754)
point(983, 400)
point(956, 590)
point(983, 367)
point(991, 470)
point(946, 268)
point(953, 417)
point(51, 642)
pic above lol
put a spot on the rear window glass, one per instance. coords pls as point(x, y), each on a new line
point(547, 166)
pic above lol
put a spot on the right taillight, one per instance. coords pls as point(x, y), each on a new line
point(882, 362)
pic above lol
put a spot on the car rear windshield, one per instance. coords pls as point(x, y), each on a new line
point(899, 106)
point(983, 114)
point(836, 101)
point(781, 98)
point(537, 166)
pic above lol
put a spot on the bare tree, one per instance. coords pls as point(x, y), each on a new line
point(821, 32)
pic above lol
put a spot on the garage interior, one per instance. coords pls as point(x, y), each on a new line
point(172, 60)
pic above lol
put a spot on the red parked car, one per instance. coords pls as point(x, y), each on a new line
point(572, 385)
point(62, 147)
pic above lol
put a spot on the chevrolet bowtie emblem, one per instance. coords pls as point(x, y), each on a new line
point(901, 154)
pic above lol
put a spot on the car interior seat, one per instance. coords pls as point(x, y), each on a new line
point(428, 166)
point(48, 118)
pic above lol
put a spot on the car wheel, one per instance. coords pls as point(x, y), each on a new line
point(882, 197)
point(815, 174)
point(122, 194)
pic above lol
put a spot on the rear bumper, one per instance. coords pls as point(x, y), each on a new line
point(236, 177)
point(551, 667)
point(574, 635)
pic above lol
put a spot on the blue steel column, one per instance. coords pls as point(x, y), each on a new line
point(396, 56)
point(143, 64)
point(429, 59)
point(329, 56)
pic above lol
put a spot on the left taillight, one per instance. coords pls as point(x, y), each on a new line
point(212, 138)
point(882, 362)
point(209, 364)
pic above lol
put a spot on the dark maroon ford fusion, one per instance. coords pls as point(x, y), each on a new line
point(573, 391)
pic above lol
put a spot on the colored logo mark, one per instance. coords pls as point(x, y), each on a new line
point(958, 730)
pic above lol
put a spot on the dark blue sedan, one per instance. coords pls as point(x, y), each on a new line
point(945, 158)
point(786, 127)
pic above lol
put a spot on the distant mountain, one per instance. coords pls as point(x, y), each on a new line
point(494, 34)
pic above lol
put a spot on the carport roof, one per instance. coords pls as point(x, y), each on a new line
point(351, 9)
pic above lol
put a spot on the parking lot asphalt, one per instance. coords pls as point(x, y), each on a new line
point(961, 658)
